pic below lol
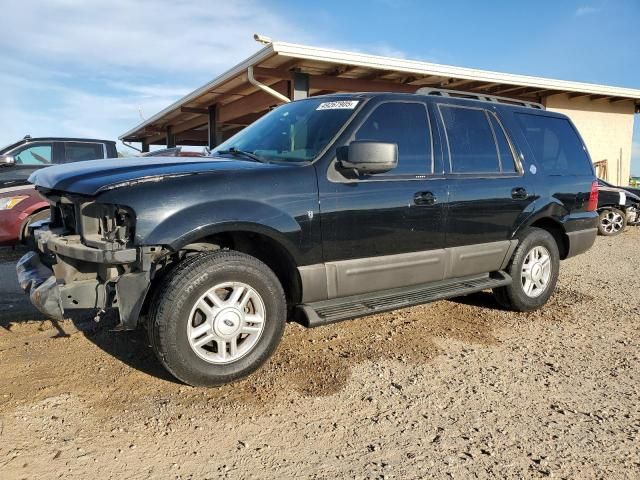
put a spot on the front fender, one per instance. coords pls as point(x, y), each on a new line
point(200, 221)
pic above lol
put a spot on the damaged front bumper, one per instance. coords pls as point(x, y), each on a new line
point(64, 275)
point(38, 282)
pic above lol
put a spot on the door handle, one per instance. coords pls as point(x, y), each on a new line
point(424, 198)
point(519, 193)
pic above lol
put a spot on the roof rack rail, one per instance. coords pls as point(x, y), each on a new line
point(478, 96)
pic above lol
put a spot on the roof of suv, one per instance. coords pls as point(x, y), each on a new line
point(448, 95)
point(29, 139)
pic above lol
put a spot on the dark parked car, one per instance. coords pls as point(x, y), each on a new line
point(22, 158)
point(634, 190)
point(617, 208)
point(325, 209)
point(20, 204)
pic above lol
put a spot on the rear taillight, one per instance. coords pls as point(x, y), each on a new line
point(593, 197)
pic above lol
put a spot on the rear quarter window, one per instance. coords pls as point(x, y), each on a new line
point(80, 151)
point(555, 144)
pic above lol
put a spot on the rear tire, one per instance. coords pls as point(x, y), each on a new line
point(534, 269)
point(216, 318)
point(611, 222)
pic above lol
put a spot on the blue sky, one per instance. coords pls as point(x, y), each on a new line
point(89, 68)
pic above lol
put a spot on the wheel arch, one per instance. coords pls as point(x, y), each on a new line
point(261, 242)
point(554, 228)
point(25, 222)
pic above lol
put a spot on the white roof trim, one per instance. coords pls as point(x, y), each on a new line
point(426, 68)
point(327, 55)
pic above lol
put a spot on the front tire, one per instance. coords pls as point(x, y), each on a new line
point(217, 317)
point(611, 222)
point(534, 269)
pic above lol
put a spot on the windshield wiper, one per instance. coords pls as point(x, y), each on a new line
point(240, 153)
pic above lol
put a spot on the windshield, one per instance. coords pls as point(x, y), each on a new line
point(294, 132)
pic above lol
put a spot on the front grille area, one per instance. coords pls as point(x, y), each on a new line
point(68, 217)
point(64, 216)
point(98, 225)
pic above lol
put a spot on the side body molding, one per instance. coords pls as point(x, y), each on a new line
point(342, 278)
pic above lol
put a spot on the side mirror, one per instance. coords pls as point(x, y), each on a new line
point(368, 157)
point(7, 160)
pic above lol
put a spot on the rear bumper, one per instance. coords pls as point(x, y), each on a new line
point(581, 240)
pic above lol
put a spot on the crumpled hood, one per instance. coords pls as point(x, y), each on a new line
point(94, 176)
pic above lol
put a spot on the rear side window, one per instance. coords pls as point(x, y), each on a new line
point(555, 144)
point(77, 151)
point(472, 146)
point(407, 125)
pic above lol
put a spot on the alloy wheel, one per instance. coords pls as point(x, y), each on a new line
point(536, 271)
point(226, 322)
point(612, 222)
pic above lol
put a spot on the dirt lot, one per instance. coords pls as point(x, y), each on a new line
point(455, 389)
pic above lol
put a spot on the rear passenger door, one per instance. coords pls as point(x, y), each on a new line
point(488, 191)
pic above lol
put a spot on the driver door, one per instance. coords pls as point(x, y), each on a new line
point(386, 230)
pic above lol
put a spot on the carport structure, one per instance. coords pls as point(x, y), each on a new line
point(281, 72)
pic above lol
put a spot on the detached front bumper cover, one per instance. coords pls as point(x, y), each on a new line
point(38, 281)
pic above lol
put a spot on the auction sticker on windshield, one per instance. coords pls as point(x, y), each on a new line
point(339, 105)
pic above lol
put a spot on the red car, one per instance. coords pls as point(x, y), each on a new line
point(19, 208)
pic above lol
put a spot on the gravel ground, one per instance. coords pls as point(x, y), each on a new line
point(454, 389)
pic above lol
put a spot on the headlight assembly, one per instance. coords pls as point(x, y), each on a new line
point(7, 203)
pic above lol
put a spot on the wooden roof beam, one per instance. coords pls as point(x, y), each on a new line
point(482, 86)
point(578, 94)
point(510, 89)
point(337, 84)
point(455, 83)
point(619, 100)
point(426, 80)
point(197, 110)
point(255, 102)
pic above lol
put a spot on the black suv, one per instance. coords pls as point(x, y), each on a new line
point(325, 209)
point(20, 159)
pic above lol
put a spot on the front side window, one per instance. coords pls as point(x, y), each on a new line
point(472, 147)
point(37, 154)
point(294, 132)
point(79, 151)
point(407, 125)
point(555, 144)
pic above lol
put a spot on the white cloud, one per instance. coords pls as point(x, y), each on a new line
point(161, 35)
point(586, 10)
point(72, 67)
point(89, 68)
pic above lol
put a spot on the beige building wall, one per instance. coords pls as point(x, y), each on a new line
point(607, 129)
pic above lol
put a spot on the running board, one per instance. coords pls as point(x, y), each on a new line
point(334, 310)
